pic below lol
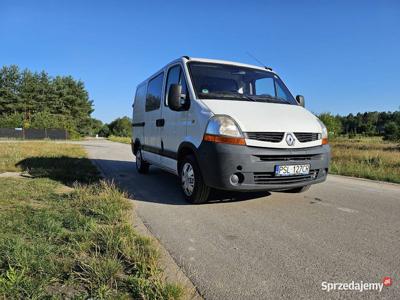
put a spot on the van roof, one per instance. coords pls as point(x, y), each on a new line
point(185, 59)
point(226, 62)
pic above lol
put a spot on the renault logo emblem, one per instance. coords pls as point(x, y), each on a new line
point(289, 139)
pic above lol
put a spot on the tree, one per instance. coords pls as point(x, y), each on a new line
point(104, 131)
point(94, 127)
point(332, 123)
point(9, 90)
point(14, 120)
point(45, 102)
point(121, 127)
point(392, 132)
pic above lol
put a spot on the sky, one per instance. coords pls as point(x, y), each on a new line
point(343, 56)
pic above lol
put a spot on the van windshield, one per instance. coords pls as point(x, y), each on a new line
point(230, 82)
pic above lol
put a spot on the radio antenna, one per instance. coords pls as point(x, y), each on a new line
point(255, 58)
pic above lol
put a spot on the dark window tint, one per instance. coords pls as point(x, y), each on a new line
point(175, 76)
point(183, 82)
point(231, 82)
point(140, 94)
point(153, 97)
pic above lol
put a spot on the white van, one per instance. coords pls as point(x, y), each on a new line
point(226, 125)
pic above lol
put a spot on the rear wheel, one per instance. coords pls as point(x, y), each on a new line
point(298, 189)
point(141, 166)
point(192, 183)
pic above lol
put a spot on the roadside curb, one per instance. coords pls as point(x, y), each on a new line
point(366, 180)
point(171, 269)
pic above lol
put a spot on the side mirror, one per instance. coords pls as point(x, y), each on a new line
point(300, 100)
point(176, 101)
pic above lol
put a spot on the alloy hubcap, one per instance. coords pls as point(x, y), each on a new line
point(187, 177)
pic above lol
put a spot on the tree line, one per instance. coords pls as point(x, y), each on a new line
point(118, 127)
point(386, 124)
point(36, 100)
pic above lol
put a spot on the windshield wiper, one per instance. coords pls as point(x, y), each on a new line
point(239, 95)
point(249, 98)
point(227, 95)
point(268, 98)
point(284, 100)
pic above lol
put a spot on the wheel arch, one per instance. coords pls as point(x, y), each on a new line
point(186, 148)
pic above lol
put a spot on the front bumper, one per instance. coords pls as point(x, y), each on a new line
point(257, 166)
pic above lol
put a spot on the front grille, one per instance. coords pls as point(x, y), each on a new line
point(305, 137)
point(270, 178)
point(301, 157)
point(273, 137)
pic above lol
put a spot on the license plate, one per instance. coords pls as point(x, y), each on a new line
point(292, 170)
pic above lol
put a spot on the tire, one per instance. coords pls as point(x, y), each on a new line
point(193, 187)
point(141, 166)
point(298, 189)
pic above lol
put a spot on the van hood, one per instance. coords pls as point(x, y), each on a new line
point(266, 117)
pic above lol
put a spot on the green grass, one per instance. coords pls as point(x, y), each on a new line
point(59, 161)
point(370, 158)
point(72, 242)
point(120, 139)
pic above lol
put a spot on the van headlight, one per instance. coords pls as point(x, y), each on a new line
point(223, 129)
point(324, 132)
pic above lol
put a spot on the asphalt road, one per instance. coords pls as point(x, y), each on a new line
point(269, 246)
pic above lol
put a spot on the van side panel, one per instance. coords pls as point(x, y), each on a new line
point(138, 113)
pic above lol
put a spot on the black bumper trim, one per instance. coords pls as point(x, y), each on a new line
point(219, 161)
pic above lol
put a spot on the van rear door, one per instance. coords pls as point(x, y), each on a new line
point(152, 141)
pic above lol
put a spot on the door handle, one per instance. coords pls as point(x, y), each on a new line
point(160, 122)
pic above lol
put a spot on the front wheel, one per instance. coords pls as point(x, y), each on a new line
point(141, 166)
point(192, 183)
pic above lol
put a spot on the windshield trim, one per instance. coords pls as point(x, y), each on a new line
point(188, 63)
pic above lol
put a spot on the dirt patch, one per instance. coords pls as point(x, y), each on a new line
point(12, 175)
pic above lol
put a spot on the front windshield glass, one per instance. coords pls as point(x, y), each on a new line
point(229, 82)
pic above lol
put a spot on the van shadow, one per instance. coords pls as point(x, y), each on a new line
point(67, 170)
point(159, 186)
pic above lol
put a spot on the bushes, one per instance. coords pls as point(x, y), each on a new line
point(14, 120)
point(391, 132)
point(332, 123)
point(121, 127)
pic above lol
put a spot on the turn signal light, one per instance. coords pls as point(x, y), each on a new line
point(224, 139)
point(324, 141)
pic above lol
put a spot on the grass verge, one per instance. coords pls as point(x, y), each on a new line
point(369, 158)
point(73, 242)
point(120, 139)
point(59, 161)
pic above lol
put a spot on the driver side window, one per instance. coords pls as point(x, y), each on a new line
point(175, 76)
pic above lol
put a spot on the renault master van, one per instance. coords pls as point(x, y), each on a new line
point(229, 126)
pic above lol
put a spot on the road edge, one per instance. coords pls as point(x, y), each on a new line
point(365, 179)
point(171, 269)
